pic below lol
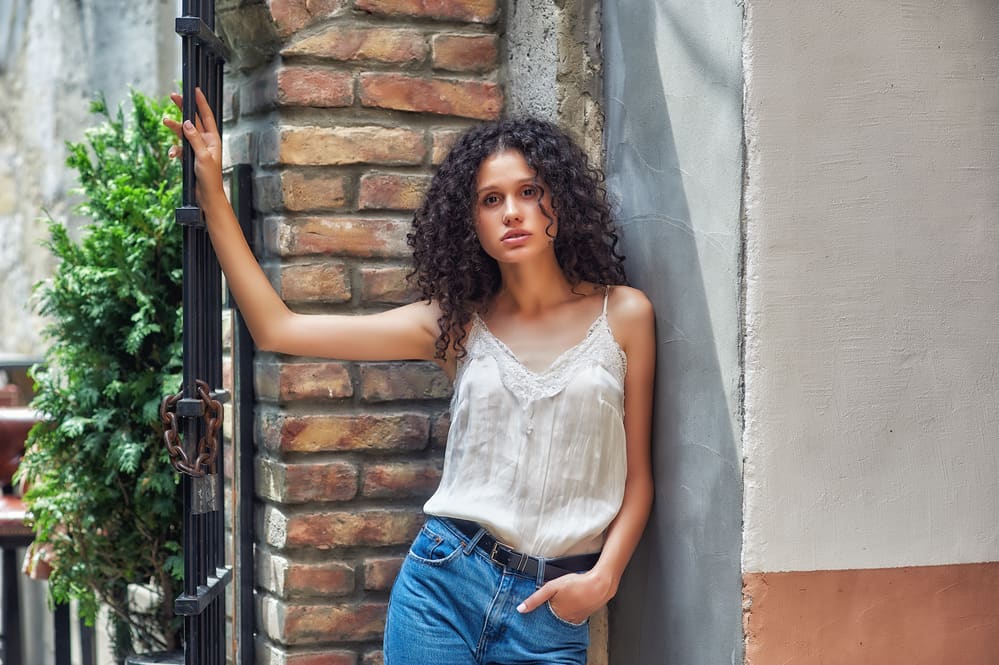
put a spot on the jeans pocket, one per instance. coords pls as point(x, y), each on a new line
point(434, 549)
point(551, 610)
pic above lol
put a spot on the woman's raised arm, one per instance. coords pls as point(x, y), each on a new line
point(407, 332)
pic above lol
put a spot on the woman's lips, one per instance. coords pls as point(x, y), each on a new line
point(514, 237)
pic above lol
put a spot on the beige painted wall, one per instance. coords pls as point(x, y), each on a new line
point(872, 284)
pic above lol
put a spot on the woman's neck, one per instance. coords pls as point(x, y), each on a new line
point(531, 289)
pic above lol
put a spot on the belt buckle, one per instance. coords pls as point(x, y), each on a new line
point(498, 549)
point(508, 554)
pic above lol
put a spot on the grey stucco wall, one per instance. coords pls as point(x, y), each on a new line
point(673, 82)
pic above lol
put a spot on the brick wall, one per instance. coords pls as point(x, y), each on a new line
point(344, 108)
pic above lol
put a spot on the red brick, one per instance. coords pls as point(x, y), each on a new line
point(314, 433)
point(354, 622)
point(387, 191)
point(299, 624)
point(312, 191)
point(296, 85)
point(285, 381)
point(318, 282)
point(405, 380)
point(387, 285)
point(302, 483)
point(309, 86)
point(335, 146)
point(375, 657)
point(443, 141)
point(347, 43)
point(400, 479)
point(464, 53)
point(380, 573)
point(370, 528)
point(285, 577)
point(340, 236)
point(299, 191)
point(471, 11)
point(290, 16)
point(320, 579)
point(482, 100)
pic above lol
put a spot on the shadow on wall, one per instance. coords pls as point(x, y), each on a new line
point(680, 601)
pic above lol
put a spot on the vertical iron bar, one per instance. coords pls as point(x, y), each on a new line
point(11, 611)
point(189, 425)
point(86, 642)
point(62, 633)
point(187, 86)
point(187, 89)
point(242, 439)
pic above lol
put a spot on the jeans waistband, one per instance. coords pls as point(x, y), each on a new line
point(540, 568)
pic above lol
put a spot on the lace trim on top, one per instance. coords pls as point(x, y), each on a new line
point(597, 346)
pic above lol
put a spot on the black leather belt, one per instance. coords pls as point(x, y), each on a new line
point(525, 564)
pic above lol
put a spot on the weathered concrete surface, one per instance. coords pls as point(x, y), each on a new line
point(530, 48)
point(54, 56)
point(674, 159)
point(552, 53)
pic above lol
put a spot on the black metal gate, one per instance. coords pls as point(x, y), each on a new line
point(198, 406)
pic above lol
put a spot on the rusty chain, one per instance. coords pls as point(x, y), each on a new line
point(207, 446)
point(171, 432)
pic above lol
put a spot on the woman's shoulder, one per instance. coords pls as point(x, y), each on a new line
point(629, 304)
point(631, 318)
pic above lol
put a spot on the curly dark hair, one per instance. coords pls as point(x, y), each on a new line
point(450, 265)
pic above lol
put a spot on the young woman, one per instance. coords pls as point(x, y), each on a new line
point(547, 484)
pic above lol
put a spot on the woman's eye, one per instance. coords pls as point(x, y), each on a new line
point(492, 199)
point(530, 192)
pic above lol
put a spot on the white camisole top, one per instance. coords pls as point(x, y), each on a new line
point(538, 459)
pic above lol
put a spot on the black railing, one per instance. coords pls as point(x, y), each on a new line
point(198, 408)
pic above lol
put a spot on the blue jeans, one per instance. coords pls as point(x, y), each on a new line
point(452, 605)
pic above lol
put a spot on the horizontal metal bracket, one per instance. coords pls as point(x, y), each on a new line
point(190, 216)
point(188, 605)
point(193, 26)
point(192, 407)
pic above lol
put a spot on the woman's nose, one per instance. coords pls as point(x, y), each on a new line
point(511, 212)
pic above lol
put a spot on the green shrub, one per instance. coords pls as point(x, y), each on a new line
point(101, 489)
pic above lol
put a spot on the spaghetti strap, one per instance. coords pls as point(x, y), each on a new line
point(606, 295)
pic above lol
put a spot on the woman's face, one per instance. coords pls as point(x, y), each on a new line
point(508, 209)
